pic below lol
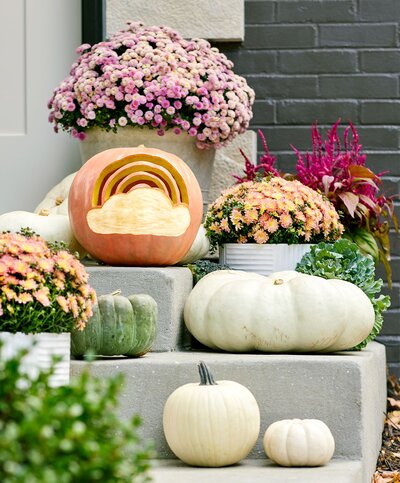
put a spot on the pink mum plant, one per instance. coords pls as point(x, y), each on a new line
point(152, 76)
point(43, 288)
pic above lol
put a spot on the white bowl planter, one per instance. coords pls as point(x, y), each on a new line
point(263, 259)
point(42, 347)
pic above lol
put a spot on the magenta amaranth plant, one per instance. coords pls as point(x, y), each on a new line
point(340, 173)
point(265, 167)
point(151, 76)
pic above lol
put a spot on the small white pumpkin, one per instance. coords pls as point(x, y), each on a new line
point(286, 312)
point(51, 227)
point(212, 423)
point(299, 442)
point(199, 248)
point(56, 200)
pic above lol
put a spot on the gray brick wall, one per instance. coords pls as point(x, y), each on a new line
point(319, 60)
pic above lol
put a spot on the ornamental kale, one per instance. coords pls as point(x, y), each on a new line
point(343, 260)
point(201, 268)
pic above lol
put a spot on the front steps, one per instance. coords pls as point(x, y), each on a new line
point(257, 471)
point(346, 390)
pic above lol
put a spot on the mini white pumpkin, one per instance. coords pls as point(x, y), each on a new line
point(286, 312)
point(51, 227)
point(199, 248)
point(299, 442)
point(56, 200)
point(212, 423)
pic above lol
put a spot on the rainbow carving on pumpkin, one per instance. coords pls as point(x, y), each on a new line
point(135, 206)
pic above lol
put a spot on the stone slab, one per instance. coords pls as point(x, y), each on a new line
point(228, 161)
point(169, 286)
point(346, 390)
point(218, 20)
point(257, 471)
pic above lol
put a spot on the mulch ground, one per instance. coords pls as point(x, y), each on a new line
point(388, 466)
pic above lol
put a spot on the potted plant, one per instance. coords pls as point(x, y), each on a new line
point(266, 226)
point(153, 87)
point(43, 295)
point(337, 169)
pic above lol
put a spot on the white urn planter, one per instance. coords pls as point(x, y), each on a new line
point(200, 161)
point(42, 347)
point(263, 259)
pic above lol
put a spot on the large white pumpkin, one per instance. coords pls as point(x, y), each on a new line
point(56, 200)
point(211, 423)
point(51, 227)
point(299, 442)
point(286, 312)
point(199, 248)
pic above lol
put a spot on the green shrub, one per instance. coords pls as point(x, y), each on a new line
point(69, 434)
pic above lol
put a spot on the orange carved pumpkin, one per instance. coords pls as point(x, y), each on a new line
point(136, 207)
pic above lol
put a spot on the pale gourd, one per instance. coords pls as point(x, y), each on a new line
point(288, 311)
point(199, 248)
point(299, 442)
point(51, 227)
point(56, 200)
point(212, 423)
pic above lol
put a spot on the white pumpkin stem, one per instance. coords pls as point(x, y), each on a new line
point(206, 378)
point(116, 292)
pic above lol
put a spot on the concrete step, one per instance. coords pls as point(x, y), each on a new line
point(257, 471)
point(169, 286)
point(346, 390)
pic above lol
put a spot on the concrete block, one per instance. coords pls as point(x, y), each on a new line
point(278, 86)
point(280, 36)
point(257, 12)
point(382, 137)
point(382, 10)
point(379, 161)
point(307, 112)
point(263, 113)
point(279, 138)
point(257, 471)
point(353, 35)
point(380, 112)
point(317, 62)
point(169, 286)
point(221, 20)
point(312, 11)
point(359, 86)
point(346, 390)
point(254, 62)
point(228, 161)
point(380, 61)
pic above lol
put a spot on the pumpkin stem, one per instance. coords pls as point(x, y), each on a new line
point(278, 281)
point(116, 292)
point(206, 378)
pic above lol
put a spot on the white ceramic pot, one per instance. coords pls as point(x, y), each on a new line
point(200, 161)
point(42, 347)
point(263, 259)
